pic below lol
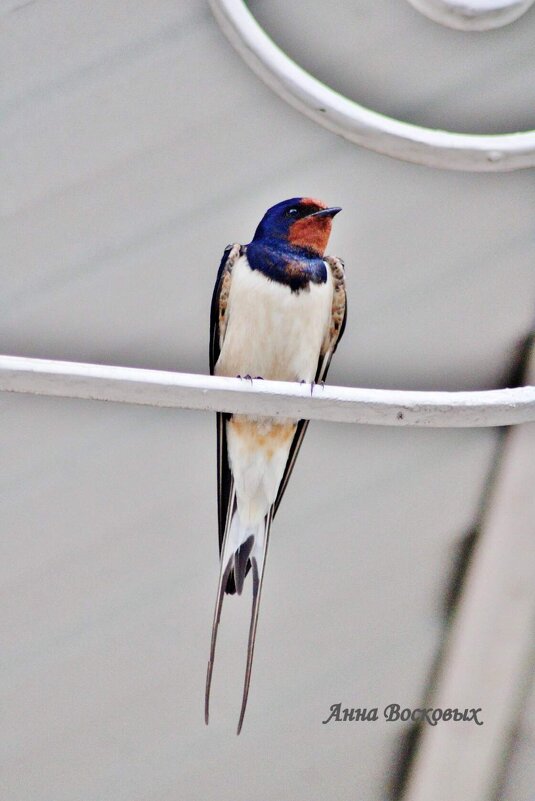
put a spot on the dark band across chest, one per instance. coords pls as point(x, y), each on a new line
point(287, 266)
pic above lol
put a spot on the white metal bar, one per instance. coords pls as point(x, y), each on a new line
point(271, 398)
point(473, 15)
point(488, 650)
point(434, 148)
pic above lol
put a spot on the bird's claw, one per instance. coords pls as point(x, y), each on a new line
point(312, 385)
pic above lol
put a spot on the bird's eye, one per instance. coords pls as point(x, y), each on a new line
point(292, 212)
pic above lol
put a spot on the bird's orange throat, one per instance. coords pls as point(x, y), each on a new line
point(311, 233)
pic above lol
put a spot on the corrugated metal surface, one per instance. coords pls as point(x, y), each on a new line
point(520, 773)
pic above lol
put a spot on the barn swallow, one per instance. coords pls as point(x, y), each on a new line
point(278, 312)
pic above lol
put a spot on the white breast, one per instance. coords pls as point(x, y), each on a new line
point(273, 332)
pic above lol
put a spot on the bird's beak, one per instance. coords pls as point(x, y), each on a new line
point(331, 212)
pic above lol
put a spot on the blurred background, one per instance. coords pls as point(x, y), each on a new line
point(135, 145)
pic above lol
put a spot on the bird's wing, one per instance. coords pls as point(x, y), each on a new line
point(330, 343)
point(218, 324)
point(218, 309)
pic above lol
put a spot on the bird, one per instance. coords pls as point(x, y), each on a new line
point(278, 312)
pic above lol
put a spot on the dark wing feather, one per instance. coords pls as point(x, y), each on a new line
point(336, 330)
point(218, 313)
point(215, 310)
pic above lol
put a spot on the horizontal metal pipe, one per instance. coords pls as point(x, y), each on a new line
point(497, 407)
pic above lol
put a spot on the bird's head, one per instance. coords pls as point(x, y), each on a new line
point(301, 222)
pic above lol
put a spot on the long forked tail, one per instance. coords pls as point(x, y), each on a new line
point(236, 561)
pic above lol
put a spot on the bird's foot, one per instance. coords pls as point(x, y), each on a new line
point(312, 385)
point(316, 384)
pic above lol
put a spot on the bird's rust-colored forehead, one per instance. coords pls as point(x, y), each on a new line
point(313, 203)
